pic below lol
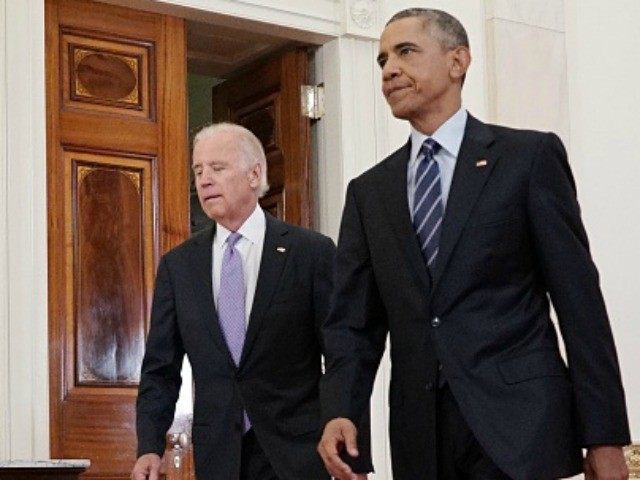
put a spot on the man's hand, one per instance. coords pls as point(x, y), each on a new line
point(605, 462)
point(339, 433)
point(147, 467)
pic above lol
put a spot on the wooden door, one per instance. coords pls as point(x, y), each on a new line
point(117, 179)
point(267, 100)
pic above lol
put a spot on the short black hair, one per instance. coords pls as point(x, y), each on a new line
point(448, 30)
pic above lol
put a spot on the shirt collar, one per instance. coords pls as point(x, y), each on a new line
point(449, 135)
point(252, 229)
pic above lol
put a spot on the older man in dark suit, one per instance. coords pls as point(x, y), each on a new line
point(244, 300)
point(455, 245)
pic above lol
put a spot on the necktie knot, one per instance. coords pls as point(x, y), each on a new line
point(233, 238)
point(430, 147)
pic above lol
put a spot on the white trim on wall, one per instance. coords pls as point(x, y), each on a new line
point(26, 231)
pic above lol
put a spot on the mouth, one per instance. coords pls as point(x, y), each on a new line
point(394, 90)
point(207, 198)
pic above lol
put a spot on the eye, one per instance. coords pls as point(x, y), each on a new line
point(218, 168)
point(405, 50)
point(381, 62)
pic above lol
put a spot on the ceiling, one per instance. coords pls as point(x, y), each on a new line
point(218, 51)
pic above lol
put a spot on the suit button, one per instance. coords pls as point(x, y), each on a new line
point(435, 323)
point(428, 387)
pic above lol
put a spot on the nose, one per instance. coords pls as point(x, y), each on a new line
point(390, 69)
point(205, 179)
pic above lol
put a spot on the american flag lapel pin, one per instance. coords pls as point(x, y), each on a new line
point(281, 249)
point(481, 163)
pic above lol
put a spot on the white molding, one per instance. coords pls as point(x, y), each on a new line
point(4, 279)
point(27, 231)
point(302, 20)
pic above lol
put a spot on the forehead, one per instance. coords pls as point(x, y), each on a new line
point(221, 147)
point(410, 29)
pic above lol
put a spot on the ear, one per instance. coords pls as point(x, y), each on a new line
point(255, 174)
point(460, 61)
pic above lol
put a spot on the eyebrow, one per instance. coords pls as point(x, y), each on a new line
point(399, 46)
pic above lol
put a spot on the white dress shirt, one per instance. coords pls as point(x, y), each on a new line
point(449, 135)
point(250, 248)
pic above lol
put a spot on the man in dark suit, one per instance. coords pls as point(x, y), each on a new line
point(244, 300)
point(455, 245)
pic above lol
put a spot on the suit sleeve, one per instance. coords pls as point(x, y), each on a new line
point(572, 280)
point(323, 273)
point(160, 378)
point(323, 287)
point(356, 328)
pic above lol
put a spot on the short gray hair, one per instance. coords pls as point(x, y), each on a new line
point(448, 30)
point(250, 147)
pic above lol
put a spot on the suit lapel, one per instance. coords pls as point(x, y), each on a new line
point(469, 179)
point(200, 259)
point(274, 255)
point(393, 189)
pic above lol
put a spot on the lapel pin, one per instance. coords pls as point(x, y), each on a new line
point(481, 163)
point(281, 249)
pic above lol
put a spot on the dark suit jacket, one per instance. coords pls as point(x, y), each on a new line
point(511, 238)
point(277, 379)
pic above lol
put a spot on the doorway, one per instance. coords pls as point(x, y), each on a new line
point(221, 64)
point(255, 79)
point(118, 190)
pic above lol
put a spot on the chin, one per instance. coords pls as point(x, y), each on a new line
point(401, 113)
point(214, 214)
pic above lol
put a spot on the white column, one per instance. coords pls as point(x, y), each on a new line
point(24, 371)
point(4, 280)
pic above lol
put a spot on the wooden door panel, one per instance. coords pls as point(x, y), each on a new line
point(267, 101)
point(112, 210)
point(117, 175)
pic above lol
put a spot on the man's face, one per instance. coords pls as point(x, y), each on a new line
point(227, 188)
point(419, 77)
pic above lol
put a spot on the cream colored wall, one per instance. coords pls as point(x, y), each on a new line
point(527, 64)
point(4, 268)
point(603, 48)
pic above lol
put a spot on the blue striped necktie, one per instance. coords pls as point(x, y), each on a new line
point(427, 202)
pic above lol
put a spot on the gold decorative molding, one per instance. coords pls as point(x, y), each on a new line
point(632, 456)
point(79, 54)
point(83, 171)
point(133, 176)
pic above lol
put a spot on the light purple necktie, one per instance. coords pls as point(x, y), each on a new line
point(231, 299)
